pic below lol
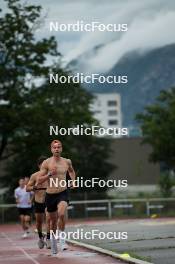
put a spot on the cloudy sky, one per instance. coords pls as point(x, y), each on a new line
point(150, 24)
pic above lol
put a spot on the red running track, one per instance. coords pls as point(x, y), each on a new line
point(17, 250)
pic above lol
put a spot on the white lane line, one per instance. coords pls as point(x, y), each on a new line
point(20, 248)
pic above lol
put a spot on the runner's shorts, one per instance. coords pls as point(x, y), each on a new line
point(39, 207)
point(53, 199)
point(24, 211)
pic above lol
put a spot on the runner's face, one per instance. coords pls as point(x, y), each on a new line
point(56, 149)
point(21, 183)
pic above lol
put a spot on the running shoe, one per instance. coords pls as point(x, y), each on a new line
point(63, 244)
point(48, 244)
point(41, 243)
point(25, 235)
point(54, 249)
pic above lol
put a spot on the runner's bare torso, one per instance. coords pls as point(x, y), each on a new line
point(39, 195)
point(58, 168)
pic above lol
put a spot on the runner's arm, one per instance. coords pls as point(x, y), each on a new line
point(16, 197)
point(43, 174)
point(71, 170)
point(32, 197)
point(30, 185)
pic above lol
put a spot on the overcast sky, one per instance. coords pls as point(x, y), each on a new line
point(150, 24)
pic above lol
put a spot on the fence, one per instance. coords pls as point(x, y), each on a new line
point(105, 208)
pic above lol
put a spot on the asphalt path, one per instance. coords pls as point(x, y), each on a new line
point(152, 240)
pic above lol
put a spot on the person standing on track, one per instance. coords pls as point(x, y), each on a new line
point(55, 168)
point(24, 205)
point(40, 206)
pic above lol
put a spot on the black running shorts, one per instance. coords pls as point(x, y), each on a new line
point(24, 211)
point(39, 207)
point(53, 199)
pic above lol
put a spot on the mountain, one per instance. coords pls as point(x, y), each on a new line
point(148, 73)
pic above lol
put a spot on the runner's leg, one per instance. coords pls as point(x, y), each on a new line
point(39, 221)
point(27, 222)
point(48, 228)
point(22, 222)
point(53, 228)
point(62, 208)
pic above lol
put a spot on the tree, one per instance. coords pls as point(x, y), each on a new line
point(158, 126)
point(22, 57)
point(166, 183)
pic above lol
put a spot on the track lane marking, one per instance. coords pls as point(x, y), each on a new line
point(20, 248)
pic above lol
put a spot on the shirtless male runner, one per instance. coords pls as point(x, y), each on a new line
point(56, 167)
point(40, 205)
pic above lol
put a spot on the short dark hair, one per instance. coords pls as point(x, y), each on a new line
point(41, 159)
point(21, 178)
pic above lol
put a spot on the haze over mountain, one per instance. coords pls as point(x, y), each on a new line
point(145, 52)
point(148, 73)
point(150, 25)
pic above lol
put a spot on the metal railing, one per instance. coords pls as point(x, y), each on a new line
point(108, 207)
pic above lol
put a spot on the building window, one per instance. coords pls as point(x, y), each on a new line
point(112, 103)
point(112, 122)
point(96, 112)
point(112, 112)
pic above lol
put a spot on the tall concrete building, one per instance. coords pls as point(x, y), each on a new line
point(106, 108)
